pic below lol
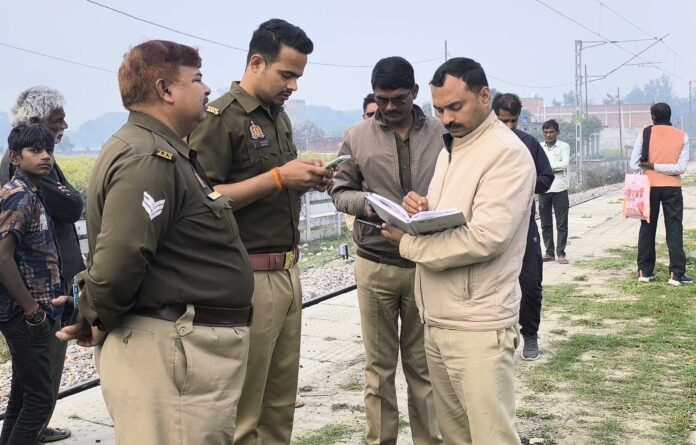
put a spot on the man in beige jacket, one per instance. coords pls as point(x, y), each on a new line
point(467, 286)
point(392, 153)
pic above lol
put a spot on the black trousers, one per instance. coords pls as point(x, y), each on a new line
point(31, 395)
point(530, 282)
point(673, 206)
point(557, 203)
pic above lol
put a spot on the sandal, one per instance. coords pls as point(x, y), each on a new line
point(55, 434)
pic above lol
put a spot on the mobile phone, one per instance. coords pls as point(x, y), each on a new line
point(76, 302)
point(334, 162)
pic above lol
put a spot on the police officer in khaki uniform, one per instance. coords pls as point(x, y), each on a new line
point(164, 249)
point(246, 148)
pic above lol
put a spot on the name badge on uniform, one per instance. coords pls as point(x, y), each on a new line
point(214, 195)
point(258, 136)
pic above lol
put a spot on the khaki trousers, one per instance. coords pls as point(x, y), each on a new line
point(267, 406)
point(385, 295)
point(172, 382)
point(474, 384)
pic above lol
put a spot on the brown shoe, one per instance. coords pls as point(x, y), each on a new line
point(548, 258)
point(562, 260)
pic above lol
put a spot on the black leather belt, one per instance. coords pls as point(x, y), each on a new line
point(375, 258)
point(204, 316)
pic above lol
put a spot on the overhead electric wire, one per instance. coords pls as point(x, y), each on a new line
point(605, 38)
point(226, 45)
point(61, 59)
point(529, 86)
point(643, 31)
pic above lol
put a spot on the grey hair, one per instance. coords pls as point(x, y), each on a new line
point(36, 103)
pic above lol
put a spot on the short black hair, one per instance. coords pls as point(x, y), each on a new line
point(467, 70)
point(509, 102)
point(369, 99)
point(30, 135)
point(660, 112)
point(392, 73)
point(272, 35)
point(551, 123)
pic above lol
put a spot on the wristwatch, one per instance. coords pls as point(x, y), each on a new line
point(36, 316)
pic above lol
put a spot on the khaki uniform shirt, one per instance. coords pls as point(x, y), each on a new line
point(158, 234)
point(241, 139)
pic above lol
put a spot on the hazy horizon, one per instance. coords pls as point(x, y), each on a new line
point(524, 46)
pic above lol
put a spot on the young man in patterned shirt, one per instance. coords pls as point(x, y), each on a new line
point(30, 281)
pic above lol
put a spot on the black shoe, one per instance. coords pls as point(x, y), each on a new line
point(530, 351)
point(645, 276)
point(55, 434)
point(679, 279)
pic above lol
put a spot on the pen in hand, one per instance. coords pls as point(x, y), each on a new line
point(370, 223)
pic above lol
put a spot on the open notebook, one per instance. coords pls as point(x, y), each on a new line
point(419, 224)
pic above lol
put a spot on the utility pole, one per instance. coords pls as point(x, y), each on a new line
point(691, 122)
point(621, 123)
point(446, 54)
point(587, 110)
point(578, 107)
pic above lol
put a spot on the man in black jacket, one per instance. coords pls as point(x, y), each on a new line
point(508, 108)
point(44, 105)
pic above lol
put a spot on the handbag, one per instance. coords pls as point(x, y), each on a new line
point(636, 203)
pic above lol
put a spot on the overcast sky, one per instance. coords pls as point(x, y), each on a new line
point(517, 41)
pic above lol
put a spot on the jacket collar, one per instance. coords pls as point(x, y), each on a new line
point(418, 119)
point(250, 103)
point(150, 123)
point(21, 176)
point(452, 143)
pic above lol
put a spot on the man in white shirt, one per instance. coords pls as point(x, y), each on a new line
point(556, 198)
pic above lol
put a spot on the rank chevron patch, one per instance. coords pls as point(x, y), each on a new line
point(152, 207)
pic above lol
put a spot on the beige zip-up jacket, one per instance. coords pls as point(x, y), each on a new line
point(374, 167)
point(467, 278)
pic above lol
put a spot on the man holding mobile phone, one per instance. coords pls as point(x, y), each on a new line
point(392, 153)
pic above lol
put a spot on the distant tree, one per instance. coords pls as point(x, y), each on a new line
point(656, 90)
point(569, 98)
point(556, 103)
point(305, 132)
point(589, 127)
point(427, 108)
point(525, 116)
point(66, 145)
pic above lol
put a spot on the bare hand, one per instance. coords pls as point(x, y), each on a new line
point(414, 203)
point(369, 211)
point(86, 335)
point(392, 234)
point(302, 175)
point(647, 165)
point(66, 191)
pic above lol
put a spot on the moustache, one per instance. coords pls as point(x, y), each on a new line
point(453, 126)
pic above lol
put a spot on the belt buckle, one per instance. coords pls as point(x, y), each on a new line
point(289, 260)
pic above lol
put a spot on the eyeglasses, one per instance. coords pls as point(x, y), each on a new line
point(396, 101)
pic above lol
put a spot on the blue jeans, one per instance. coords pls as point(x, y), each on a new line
point(31, 396)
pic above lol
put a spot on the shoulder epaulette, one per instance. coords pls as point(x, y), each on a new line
point(169, 156)
point(163, 149)
point(219, 105)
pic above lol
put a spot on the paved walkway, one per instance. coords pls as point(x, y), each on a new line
point(332, 358)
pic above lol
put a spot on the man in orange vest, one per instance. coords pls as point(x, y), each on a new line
point(662, 152)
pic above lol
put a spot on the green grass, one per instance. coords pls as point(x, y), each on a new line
point(644, 368)
point(320, 252)
point(352, 385)
point(326, 435)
